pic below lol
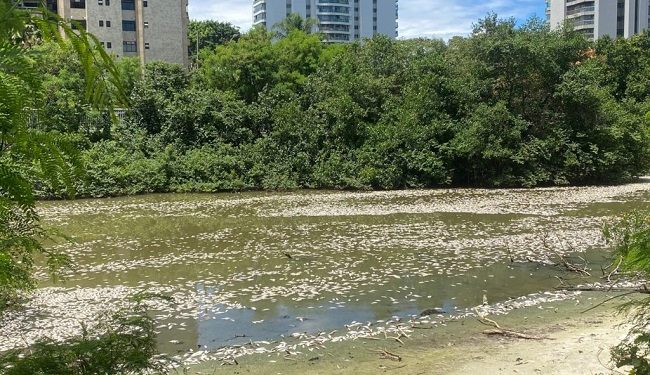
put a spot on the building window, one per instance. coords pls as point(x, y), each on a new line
point(103, 44)
point(144, 4)
point(100, 2)
point(78, 4)
point(130, 46)
point(108, 23)
point(108, 2)
point(101, 23)
point(78, 24)
point(128, 25)
point(146, 24)
point(128, 4)
point(146, 46)
point(109, 45)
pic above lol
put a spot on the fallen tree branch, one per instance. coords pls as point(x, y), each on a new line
point(563, 259)
point(572, 267)
point(609, 276)
point(643, 290)
point(384, 354)
point(504, 332)
point(513, 334)
point(612, 298)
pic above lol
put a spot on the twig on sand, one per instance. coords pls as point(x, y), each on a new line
point(502, 331)
point(384, 354)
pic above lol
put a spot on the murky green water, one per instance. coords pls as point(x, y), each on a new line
point(257, 266)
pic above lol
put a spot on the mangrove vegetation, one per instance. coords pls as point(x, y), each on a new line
point(507, 106)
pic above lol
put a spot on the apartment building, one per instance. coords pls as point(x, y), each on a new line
point(152, 30)
point(339, 20)
point(597, 18)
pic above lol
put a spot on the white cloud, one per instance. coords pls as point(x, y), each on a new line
point(237, 12)
point(418, 18)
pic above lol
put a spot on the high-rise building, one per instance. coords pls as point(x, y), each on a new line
point(152, 30)
point(597, 18)
point(339, 20)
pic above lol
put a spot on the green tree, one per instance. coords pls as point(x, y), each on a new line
point(254, 63)
point(125, 342)
point(209, 33)
point(509, 105)
point(26, 152)
point(293, 22)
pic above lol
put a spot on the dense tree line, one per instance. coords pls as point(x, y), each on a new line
point(507, 106)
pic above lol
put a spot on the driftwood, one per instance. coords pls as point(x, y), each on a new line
point(615, 271)
point(572, 267)
point(498, 330)
point(397, 338)
point(625, 292)
point(569, 266)
point(643, 290)
point(384, 354)
point(513, 334)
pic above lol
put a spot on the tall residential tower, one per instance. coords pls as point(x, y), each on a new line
point(339, 20)
point(597, 18)
point(152, 30)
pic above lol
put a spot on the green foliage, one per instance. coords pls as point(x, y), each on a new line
point(630, 237)
point(33, 157)
point(30, 155)
point(206, 35)
point(508, 106)
point(122, 343)
point(294, 22)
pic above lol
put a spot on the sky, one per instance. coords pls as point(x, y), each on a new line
point(417, 18)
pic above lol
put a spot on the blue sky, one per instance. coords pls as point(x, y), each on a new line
point(418, 18)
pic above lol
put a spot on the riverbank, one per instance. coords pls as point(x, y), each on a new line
point(577, 343)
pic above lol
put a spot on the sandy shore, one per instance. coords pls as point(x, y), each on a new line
point(578, 343)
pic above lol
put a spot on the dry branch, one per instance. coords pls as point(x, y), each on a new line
point(384, 354)
point(504, 332)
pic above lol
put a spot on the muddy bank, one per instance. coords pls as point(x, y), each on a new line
point(578, 343)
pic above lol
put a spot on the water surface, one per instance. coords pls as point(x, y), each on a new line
point(260, 266)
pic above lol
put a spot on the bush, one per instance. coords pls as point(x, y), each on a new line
point(122, 343)
point(631, 238)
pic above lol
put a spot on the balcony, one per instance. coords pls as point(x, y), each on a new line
point(333, 19)
point(333, 9)
point(259, 8)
